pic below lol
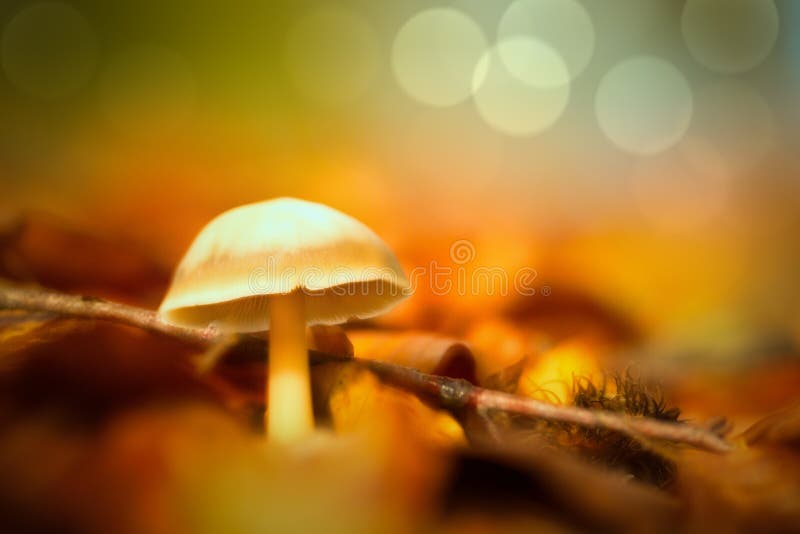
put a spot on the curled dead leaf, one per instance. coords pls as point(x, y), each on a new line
point(43, 250)
point(780, 429)
point(424, 351)
point(747, 490)
point(330, 339)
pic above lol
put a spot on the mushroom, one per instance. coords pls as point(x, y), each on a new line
point(280, 265)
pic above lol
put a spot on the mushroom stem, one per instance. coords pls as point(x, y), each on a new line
point(289, 413)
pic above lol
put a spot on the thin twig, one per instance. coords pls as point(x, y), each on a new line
point(457, 393)
point(83, 307)
point(449, 392)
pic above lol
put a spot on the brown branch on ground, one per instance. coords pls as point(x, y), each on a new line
point(85, 307)
point(448, 392)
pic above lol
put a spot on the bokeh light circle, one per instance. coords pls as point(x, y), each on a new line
point(49, 50)
point(332, 55)
point(147, 88)
point(730, 36)
point(532, 62)
point(520, 102)
point(434, 55)
point(644, 105)
point(563, 24)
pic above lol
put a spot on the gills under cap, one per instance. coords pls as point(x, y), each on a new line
point(276, 247)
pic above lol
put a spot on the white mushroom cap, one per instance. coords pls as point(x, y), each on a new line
point(277, 247)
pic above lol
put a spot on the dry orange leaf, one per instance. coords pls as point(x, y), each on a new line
point(90, 370)
point(330, 340)
point(424, 351)
point(747, 490)
point(42, 250)
point(779, 429)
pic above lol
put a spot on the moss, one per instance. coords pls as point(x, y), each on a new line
point(630, 395)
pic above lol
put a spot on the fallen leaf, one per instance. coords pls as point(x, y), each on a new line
point(506, 380)
point(424, 351)
point(747, 490)
point(741, 392)
point(90, 370)
point(330, 340)
point(45, 251)
point(779, 429)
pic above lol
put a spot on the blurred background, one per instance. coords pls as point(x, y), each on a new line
point(642, 152)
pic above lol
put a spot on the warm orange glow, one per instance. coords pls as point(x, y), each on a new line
point(550, 376)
